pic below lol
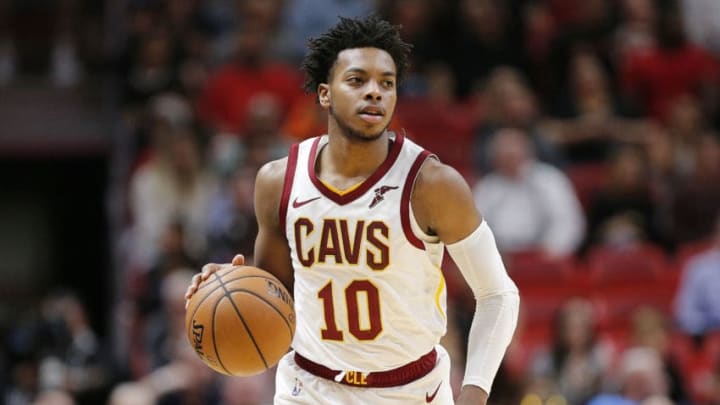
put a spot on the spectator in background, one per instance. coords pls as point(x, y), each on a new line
point(262, 140)
point(165, 109)
point(434, 92)
point(66, 66)
point(590, 119)
point(702, 21)
point(73, 359)
point(576, 363)
point(54, 350)
point(255, 390)
point(685, 123)
point(8, 53)
point(540, 28)
point(168, 44)
point(684, 163)
point(54, 397)
point(651, 328)
point(641, 380)
point(165, 331)
point(590, 28)
point(656, 78)
point(309, 18)
point(421, 24)
point(635, 31)
point(697, 198)
point(63, 40)
point(223, 103)
point(174, 185)
point(20, 385)
point(149, 69)
point(529, 204)
point(172, 254)
point(663, 171)
point(305, 119)
point(697, 303)
point(192, 29)
point(132, 393)
point(175, 375)
point(623, 211)
point(184, 381)
point(509, 102)
point(262, 15)
point(231, 225)
point(484, 43)
point(714, 391)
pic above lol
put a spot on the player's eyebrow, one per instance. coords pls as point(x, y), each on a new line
point(364, 72)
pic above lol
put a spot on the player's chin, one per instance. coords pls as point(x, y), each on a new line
point(372, 132)
point(365, 132)
point(369, 136)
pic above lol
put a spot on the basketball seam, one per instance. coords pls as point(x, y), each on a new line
point(224, 272)
point(212, 324)
point(269, 303)
point(242, 319)
point(219, 287)
point(208, 283)
point(212, 327)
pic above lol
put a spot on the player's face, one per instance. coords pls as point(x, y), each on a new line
point(361, 94)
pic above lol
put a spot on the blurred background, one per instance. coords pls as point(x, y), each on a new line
point(131, 132)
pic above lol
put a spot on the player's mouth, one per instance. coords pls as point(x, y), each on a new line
point(372, 114)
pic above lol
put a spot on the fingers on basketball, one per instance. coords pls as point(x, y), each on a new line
point(238, 260)
point(241, 321)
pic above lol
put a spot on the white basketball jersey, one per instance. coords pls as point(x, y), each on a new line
point(369, 292)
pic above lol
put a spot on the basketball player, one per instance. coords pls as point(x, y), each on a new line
point(355, 222)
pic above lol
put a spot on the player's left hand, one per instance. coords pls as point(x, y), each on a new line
point(471, 395)
point(206, 272)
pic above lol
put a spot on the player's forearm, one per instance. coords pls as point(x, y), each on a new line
point(497, 304)
point(490, 334)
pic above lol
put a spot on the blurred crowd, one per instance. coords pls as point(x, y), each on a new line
point(588, 131)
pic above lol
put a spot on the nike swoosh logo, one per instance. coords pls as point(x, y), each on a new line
point(429, 397)
point(298, 204)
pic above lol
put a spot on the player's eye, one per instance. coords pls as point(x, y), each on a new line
point(389, 84)
point(354, 80)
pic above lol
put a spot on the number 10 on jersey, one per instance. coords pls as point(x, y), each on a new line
point(352, 294)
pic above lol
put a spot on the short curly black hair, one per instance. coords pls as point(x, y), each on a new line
point(350, 33)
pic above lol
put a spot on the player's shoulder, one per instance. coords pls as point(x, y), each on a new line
point(268, 189)
point(435, 176)
point(272, 172)
point(270, 179)
point(442, 202)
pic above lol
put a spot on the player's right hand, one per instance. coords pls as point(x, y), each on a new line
point(206, 272)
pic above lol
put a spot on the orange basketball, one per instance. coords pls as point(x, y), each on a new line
point(241, 321)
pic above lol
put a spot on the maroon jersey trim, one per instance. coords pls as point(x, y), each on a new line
point(405, 201)
point(287, 185)
point(343, 199)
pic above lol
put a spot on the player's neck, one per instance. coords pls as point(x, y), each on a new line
point(353, 158)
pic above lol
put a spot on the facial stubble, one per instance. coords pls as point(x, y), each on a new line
point(352, 134)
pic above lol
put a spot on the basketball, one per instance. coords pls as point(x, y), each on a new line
point(241, 321)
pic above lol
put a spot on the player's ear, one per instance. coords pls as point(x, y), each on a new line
point(324, 95)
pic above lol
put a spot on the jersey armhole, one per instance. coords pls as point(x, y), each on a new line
point(414, 234)
point(287, 185)
point(419, 232)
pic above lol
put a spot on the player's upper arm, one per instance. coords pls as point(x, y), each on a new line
point(271, 249)
point(443, 203)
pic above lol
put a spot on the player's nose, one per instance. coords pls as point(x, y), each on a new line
point(373, 91)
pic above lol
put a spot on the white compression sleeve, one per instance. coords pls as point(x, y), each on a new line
point(496, 308)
